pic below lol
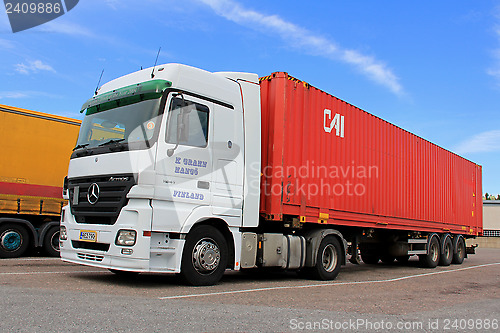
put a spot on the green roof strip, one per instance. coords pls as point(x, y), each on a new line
point(125, 96)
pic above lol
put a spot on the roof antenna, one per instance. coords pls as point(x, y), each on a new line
point(98, 83)
point(153, 72)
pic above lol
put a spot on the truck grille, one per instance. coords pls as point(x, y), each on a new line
point(100, 199)
point(91, 257)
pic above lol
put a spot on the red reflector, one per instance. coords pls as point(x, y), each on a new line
point(146, 233)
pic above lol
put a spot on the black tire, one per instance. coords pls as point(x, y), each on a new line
point(124, 274)
point(447, 253)
point(431, 259)
point(458, 257)
point(14, 240)
point(370, 259)
point(205, 256)
point(51, 242)
point(328, 259)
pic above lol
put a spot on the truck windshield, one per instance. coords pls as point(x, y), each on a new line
point(134, 123)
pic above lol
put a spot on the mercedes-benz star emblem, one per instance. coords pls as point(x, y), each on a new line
point(93, 193)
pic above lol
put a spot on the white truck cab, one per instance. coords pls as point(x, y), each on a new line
point(161, 179)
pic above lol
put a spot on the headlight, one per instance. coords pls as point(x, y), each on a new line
point(126, 237)
point(63, 234)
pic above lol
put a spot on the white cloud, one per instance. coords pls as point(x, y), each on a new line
point(6, 44)
point(33, 67)
point(67, 28)
point(12, 94)
point(483, 142)
point(495, 69)
point(112, 3)
point(304, 39)
point(26, 94)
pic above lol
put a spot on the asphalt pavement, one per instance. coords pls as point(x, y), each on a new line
point(46, 295)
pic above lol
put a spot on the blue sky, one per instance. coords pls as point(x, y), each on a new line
point(432, 68)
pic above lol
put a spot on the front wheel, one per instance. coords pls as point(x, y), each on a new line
point(328, 259)
point(14, 240)
point(205, 256)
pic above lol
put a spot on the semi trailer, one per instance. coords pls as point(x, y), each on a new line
point(35, 154)
point(180, 170)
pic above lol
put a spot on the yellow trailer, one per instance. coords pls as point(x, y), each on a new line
point(35, 149)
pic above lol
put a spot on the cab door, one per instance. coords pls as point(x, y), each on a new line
point(184, 161)
point(228, 162)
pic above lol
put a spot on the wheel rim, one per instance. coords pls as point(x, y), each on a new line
point(206, 256)
point(434, 252)
point(11, 240)
point(447, 250)
point(329, 258)
point(54, 241)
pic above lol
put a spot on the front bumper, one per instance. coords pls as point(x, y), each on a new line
point(153, 252)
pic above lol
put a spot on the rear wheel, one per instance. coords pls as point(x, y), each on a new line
point(14, 240)
point(447, 254)
point(205, 256)
point(328, 259)
point(459, 256)
point(51, 242)
point(431, 259)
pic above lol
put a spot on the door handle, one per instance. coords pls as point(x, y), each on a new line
point(203, 185)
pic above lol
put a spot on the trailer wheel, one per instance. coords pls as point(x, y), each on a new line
point(205, 255)
point(51, 242)
point(328, 260)
point(14, 240)
point(431, 259)
point(370, 259)
point(447, 255)
point(458, 258)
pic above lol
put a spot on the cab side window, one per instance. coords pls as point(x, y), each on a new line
point(187, 123)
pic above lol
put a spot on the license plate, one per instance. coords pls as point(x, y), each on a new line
point(88, 236)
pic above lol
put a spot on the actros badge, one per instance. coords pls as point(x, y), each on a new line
point(26, 14)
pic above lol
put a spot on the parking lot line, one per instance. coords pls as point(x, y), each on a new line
point(29, 259)
point(326, 284)
point(61, 272)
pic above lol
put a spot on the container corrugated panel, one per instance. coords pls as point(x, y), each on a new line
point(326, 161)
point(35, 151)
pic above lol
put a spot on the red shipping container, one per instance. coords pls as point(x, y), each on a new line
point(326, 161)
